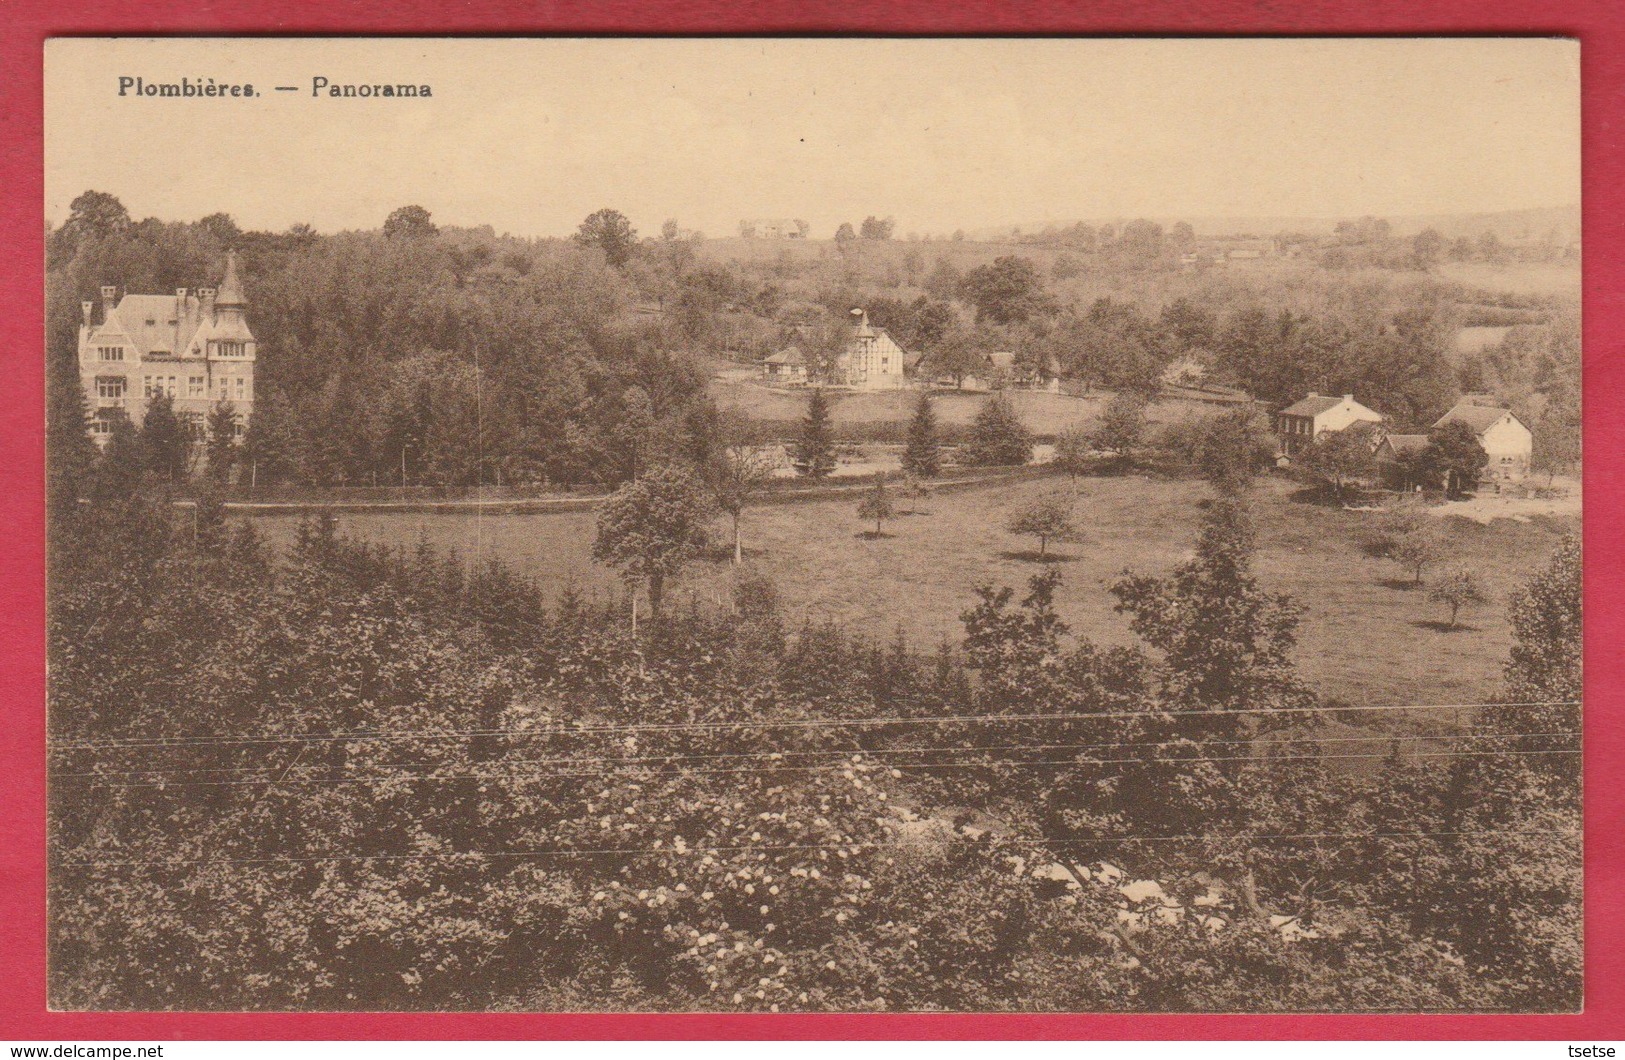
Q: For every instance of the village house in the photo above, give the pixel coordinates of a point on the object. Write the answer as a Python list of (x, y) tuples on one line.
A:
[(193, 346), (1300, 423), (1504, 437), (788, 366), (1391, 453), (872, 360)]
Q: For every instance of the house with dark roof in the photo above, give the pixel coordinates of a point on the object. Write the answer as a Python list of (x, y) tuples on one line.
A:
[(1392, 454), (1299, 423), (1504, 437), (789, 365), (193, 346)]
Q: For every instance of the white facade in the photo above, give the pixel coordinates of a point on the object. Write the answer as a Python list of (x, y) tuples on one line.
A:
[(1508, 443), (1299, 424), (872, 360)]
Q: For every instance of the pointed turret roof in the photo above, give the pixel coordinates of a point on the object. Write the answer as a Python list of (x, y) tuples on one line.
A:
[(231, 288)]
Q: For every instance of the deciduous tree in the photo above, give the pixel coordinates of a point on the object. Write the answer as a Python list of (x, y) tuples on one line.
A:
[(610, 232), (650, 528), (877, 504), (1457, 588), (1048, 517), (1455, 449)]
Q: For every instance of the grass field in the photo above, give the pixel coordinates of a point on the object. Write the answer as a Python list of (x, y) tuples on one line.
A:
[(1363, 638), (1043, 413)]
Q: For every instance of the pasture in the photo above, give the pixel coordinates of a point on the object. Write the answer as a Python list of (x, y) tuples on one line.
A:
[(1044, 414), (1364, 637)]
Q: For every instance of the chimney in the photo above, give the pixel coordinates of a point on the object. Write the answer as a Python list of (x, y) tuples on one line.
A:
[(180, 298), (109, 293), (206, 296), (85, 307)]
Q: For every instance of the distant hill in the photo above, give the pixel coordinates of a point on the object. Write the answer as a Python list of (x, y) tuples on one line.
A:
[(1508, 225)]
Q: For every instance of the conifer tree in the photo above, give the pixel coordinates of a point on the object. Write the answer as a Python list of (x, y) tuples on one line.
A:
[(815, 452), (164, 440), (222, 442), (922, 456), (998, 437)]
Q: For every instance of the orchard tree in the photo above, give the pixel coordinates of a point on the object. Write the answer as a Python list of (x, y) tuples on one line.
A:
[(1556, 449), (610, 232), (650, 528), (1454, 448), (737, 472), (877, 505), (815, 450), (1074, 451), (922, 455), (1457, 588), (1417, 548), (1047, 518), (998, 438)]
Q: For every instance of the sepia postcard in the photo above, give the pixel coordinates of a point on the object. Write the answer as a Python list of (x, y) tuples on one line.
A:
[(814, 525)]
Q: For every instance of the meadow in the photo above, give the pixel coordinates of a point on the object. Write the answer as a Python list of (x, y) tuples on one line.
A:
[(1365, 637), (1044, 413)]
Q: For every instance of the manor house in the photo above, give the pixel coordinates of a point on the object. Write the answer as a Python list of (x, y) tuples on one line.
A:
[(194, 346)]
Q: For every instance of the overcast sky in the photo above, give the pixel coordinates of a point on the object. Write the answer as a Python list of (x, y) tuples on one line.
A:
[(531, 136)]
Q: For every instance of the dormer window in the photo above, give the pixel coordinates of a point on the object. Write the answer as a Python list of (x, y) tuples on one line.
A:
[(110, 353)]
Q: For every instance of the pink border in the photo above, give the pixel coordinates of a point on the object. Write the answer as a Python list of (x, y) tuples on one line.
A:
[(1600, 26)]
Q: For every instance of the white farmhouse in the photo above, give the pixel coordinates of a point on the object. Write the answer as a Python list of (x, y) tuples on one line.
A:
[(1298, 424), (1503, 436)]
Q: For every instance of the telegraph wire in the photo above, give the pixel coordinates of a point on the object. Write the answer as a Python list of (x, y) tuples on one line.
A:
[(573, 760), (1173, 760), (798, 723), (849, 847)]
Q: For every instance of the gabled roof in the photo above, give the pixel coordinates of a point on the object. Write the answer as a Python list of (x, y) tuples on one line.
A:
[(1479, 417), (790, 355), (1002, 359), (1312, 406), (135, 310), (1406, 443)]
